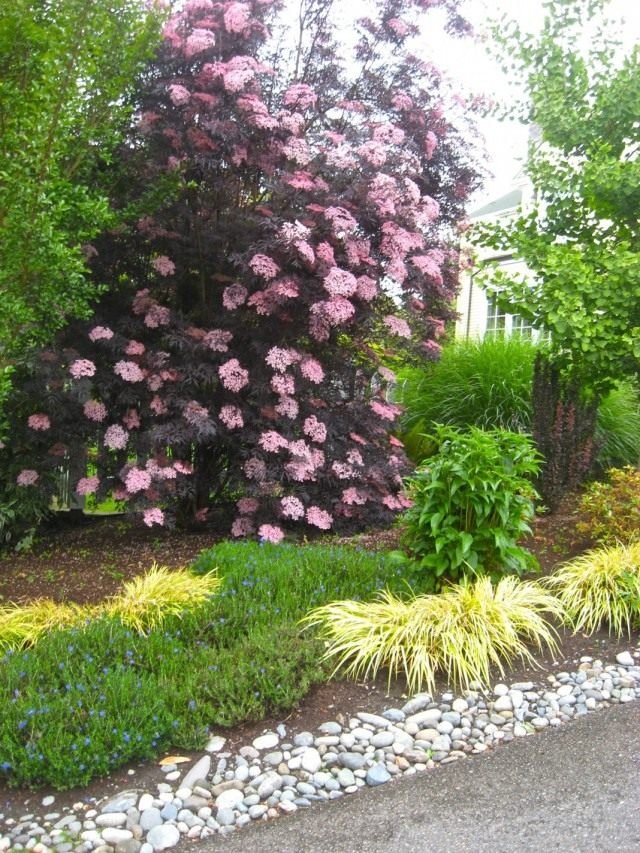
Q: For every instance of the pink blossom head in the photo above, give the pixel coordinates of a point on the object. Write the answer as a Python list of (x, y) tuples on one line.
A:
[(292, 508), (116, 437), (134, 348), (39, 422), (315, 429), (242, 526), (255, 469), (234, 296), (247, 506), (270, 533), (280, 359), (137, 481), (87, 485), (231, 417), (340, 282), (95, 410), (319, 518), (237, 17), (82, 367), (100, 333), (198, 41), (179, 95), (397, 326), (129, 371), (163, 266), (157, 315), (217, 340), (300, 96), (194, 413), (264, 266), (312, 370), (131, 419), (287, 407), (27, 477), (233, 376), (153, 516)]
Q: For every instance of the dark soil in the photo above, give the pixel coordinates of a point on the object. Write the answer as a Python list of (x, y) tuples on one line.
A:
[(88, 563)]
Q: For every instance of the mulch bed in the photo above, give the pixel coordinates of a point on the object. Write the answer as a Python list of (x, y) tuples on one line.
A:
[(88, 563)]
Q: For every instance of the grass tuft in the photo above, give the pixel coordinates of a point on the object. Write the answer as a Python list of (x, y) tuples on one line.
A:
[(460, 633), (22, 626), (601, 588), (148, 600)]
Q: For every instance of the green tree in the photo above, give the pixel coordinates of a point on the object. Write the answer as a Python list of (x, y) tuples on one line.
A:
[(581, 240), (67, 70)]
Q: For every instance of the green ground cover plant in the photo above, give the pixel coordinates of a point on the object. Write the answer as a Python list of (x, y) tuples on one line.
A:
[(460, 633), (472, 501), (85, 699)]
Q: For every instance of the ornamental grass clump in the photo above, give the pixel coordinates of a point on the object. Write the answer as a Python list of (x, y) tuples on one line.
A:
[(601, 588), (24, 625), (148, 600), (461, 633)]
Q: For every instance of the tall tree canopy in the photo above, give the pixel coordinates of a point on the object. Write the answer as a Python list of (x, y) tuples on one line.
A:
[(67, 68), (581, 239), (318, 189)]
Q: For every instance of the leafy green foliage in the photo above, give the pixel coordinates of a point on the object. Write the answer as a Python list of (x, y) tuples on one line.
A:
[(67, 70), (461, 633), (610, 511), (472, 500), (601, 588), (236, 657), (582, 240)]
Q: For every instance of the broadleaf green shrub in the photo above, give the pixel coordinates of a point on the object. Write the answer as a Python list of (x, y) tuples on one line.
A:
[(472, 501)]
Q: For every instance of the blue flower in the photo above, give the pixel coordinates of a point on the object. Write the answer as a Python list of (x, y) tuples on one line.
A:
[(22, 724)]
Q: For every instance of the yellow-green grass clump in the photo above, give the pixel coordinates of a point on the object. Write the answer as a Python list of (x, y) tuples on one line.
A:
[(601, 588), (23, 625), (147, 601), (460, 633), (144, 604)]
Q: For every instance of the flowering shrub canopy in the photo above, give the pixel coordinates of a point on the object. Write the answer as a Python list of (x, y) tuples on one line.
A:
[(313, 218)]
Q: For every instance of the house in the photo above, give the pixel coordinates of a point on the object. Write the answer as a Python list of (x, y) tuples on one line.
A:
[(479, 314)]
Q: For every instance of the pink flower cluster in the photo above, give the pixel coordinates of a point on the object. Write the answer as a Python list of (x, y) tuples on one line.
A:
[(247, 506), (131, 419), (95, 410), (283, 383), (279, 359), (157, 315), (292, 508), (397, 326), (39, 422), (315, 429), (100, 333), (264, 266), (163, 265), (242, 526), (27, 477), (217, 340), (272, 441), (82, 367), (341, 220), (153, 516), (287, 407), (137, 481), (340, 282), (312, 370), (231, 417), (129, 371), (237, 17), (319, 518), (234, 296), (115, 437), (179, 95), (134, 348), (353, 496), (198, 41), (87, 485), (385, 410), (233, 376), (299, 95), (270, 533)]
